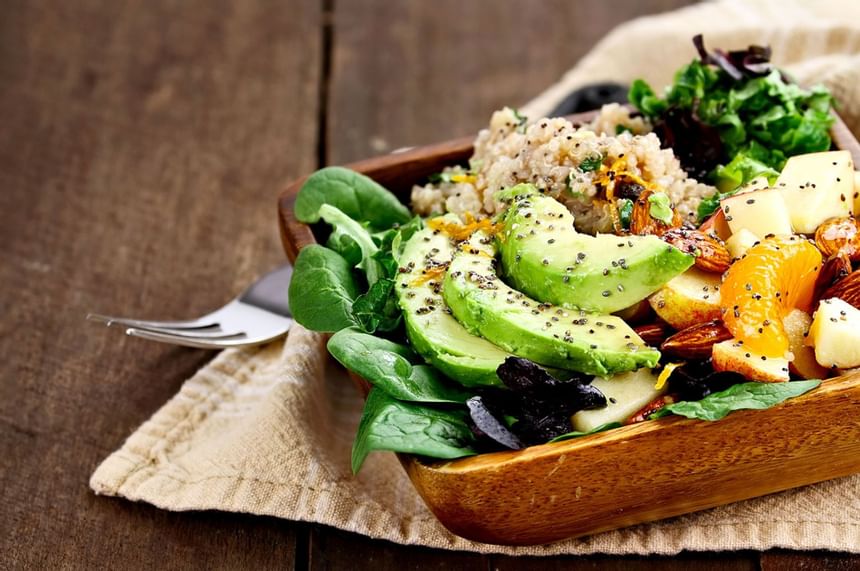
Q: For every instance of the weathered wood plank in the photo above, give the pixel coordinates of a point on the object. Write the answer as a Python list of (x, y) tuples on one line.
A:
[(142, 147), (412, 72), (331, 549)]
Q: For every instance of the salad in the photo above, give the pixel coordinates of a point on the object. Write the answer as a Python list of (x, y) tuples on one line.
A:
[(572, 279)]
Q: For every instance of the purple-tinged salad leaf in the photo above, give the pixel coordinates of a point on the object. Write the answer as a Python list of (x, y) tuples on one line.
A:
[(732, 116), (486, 425)]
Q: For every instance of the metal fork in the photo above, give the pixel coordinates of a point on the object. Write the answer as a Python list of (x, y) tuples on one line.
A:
[(258, 315)]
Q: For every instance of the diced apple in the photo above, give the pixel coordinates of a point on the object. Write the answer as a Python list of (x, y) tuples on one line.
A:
[(688, 299), (731, 355), (835, 334), (716, 225), (758, 183), (761, 212), (803, 364), (626, 394), (741, 241), (817, 186)]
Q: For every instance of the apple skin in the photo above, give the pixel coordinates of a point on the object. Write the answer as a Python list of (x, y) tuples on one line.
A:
[(688, 299), (731, 355)]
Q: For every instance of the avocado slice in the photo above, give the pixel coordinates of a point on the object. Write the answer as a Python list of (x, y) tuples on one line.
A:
[(546, 334), (432, 331), (543, 256)]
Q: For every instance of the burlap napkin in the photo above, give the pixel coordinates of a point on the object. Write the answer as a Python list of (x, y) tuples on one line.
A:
[(268, 430)]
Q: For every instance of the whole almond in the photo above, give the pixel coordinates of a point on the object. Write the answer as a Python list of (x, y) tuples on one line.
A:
[(847, 289), (653, 333), (697, 341), (641, 221), (839, 235), (711, 254), (834, 269)]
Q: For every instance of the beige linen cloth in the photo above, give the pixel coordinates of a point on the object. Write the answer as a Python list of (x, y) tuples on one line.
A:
[(268, 430)]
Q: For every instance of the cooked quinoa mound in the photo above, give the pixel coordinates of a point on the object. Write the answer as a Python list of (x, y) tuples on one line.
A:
[(564, 162)]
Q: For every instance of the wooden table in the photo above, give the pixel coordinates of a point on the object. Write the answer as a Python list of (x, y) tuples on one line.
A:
[(142, 145)]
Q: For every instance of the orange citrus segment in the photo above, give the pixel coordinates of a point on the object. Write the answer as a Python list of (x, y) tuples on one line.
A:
[(774, 277)]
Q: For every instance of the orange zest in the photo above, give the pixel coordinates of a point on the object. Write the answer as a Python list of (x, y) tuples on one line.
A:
[(608, 175), (759, 290), (429, 274), (460, 232)]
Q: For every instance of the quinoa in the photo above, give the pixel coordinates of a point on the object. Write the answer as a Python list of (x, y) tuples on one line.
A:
[(562, 161)]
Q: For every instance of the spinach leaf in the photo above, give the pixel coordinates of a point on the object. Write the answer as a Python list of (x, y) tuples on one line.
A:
[(388, 424), (377, 310), (595, 430), (356, 195), (737, 397), (322, 290), (348, 230), (392, 367)]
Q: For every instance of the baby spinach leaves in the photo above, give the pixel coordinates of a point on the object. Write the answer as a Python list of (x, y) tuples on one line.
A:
[(392, 367), (322, 290), (389, 424), (348, 231), (738, 397), (356, 195)]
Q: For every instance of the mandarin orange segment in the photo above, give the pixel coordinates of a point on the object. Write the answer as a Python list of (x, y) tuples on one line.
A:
[(774, 277)]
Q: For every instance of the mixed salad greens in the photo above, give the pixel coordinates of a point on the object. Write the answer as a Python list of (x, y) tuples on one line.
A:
[(507, 332), (732, 116)]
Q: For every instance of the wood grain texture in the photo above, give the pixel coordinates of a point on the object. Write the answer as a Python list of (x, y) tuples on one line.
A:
[(140, 149), (438, 69)]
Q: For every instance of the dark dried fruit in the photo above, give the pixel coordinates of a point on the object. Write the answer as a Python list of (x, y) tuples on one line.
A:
[(541, 403), (697, 379), (489, 426)]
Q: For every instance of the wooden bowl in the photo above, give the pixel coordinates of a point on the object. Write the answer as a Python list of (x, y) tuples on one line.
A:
[(629, 475)]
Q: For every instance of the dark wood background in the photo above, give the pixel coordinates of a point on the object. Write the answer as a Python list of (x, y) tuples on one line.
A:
[(142, 145)]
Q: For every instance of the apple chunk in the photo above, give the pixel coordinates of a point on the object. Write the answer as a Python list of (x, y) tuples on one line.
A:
[(835, 334), (731, 355), (688, 299), (626, 394), (803, 364), (817, 186), (741, 241), (760, 212)]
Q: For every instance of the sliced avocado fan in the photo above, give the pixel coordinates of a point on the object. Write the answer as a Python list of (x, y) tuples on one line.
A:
[(432, 331), (543, 256), (544, 333)]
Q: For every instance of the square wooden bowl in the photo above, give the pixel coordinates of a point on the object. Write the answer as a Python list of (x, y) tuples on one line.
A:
[(629, 475)]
